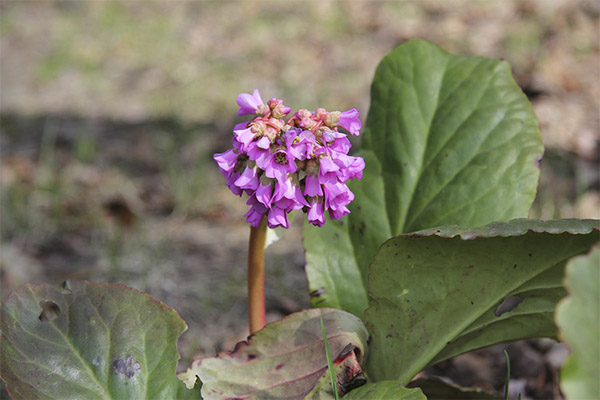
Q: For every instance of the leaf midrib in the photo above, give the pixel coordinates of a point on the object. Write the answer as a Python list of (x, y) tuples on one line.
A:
[(424, 166), (75, 351)]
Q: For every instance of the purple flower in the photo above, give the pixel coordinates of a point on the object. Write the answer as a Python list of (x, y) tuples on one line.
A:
[(244, 136), (233, 177), (337, 141), (280, 163), (350, 167), (350, 122), (249, 103), (277, 217), (290, 191), (312, 186), (301, 164), (256, 212), (339, 212), (264, 193), (315, 213), (248, 179), (337, 195), (328, 170), (226, 161), (259, 150)]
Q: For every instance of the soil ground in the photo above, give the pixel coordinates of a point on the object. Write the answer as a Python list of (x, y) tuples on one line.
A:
[(110, 113)]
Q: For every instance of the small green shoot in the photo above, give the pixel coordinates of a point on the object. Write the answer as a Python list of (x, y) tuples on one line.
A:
[(507, 375), (329, 362)]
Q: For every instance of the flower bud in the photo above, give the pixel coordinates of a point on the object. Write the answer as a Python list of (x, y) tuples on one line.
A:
[(258, 126), (321, 113), (332, 119)]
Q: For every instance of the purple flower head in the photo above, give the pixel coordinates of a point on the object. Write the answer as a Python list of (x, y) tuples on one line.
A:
[(249, 104), (301, 164), (350, 122)]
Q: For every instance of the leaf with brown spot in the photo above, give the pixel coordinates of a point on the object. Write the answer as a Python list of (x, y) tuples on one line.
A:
[(459, 291), (286, 359), (89, 340)]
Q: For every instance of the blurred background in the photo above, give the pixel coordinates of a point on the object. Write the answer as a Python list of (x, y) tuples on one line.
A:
[(111, 111)]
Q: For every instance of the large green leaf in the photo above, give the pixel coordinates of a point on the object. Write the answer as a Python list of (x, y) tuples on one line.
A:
[(441, 292), (385, 390), (89, 340), (286, 359), (449, 139), (578, 318)]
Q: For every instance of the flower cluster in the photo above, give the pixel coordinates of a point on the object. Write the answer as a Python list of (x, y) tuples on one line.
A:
[(299, 164)]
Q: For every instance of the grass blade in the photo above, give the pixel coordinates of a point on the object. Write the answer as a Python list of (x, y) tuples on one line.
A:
[(507, 375), (329, 362)]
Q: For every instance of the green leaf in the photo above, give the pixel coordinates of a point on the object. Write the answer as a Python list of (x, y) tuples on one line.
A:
[(578, 318), (442, 292), (385, 390), (449, 139), (286, 359), (338, 254), (435, 389), (89, 340)]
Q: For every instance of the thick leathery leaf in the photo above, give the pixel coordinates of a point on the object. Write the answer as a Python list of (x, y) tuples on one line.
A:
[(385, 390), (286, 359), (449, 139), (578, 319), (89, 340), (457, 139), (435, 294)]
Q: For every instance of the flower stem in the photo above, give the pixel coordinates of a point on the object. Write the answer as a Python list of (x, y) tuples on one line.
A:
[(256, 276)]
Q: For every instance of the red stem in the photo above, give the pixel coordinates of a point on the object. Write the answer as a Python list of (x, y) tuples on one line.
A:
[(256, 276)]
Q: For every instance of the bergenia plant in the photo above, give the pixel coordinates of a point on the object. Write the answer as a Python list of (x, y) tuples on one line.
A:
[(428, 256), (301, 163)]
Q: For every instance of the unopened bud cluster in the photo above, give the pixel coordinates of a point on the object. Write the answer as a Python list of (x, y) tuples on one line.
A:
[(298, 164)]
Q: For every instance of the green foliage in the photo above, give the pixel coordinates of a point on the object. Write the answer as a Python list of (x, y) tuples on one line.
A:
[(449, 139), (434, 295), (435, 389), (89, 340), (385, 390), (578, 318), (450, 142), (286, 359)]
